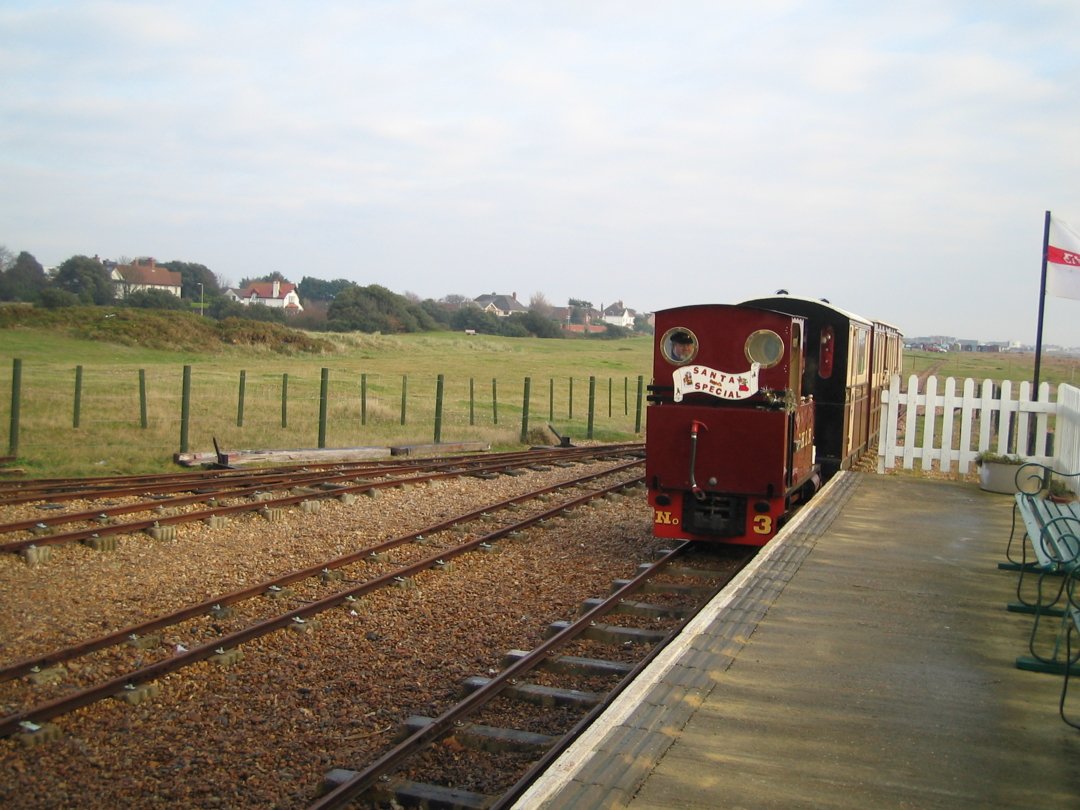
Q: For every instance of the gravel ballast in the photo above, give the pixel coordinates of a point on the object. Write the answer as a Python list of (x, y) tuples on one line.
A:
[(263, 732)]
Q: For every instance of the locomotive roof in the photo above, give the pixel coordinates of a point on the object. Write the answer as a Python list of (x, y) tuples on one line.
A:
[(777, 302)]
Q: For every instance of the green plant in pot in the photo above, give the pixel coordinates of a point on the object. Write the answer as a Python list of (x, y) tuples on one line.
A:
[(1059, 491), (997, 471)]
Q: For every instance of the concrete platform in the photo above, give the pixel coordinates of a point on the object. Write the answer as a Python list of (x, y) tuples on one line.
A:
[(865, 661)]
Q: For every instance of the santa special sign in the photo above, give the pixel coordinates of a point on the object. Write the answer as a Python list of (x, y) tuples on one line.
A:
[(721, 384)]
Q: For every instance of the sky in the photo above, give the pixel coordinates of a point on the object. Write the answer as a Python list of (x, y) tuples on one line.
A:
[(895, 158)]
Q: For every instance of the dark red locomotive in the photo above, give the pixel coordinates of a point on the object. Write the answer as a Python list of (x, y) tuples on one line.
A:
[(752, 407)]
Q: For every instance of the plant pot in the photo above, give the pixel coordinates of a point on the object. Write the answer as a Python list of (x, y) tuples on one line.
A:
[(997, 477)]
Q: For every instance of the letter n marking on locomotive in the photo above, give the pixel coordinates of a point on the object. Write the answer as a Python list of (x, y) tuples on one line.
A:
[(665, 517)]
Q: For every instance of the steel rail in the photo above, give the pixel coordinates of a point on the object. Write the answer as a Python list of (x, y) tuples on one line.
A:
[(361, 781), (115, 686), (142, 485), (246, 487), (28, 665), (132, 527), (508, 798)]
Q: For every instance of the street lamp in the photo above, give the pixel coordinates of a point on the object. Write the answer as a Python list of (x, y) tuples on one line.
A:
[(200, 299)]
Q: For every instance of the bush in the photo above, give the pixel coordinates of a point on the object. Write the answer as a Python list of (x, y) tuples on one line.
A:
[(154, 299)]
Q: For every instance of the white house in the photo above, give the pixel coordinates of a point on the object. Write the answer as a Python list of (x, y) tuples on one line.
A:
[(143, 275), (276, 294), (618, 315)]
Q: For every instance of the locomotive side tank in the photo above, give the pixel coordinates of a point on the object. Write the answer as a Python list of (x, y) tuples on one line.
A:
[(837, 375), (729, 431)]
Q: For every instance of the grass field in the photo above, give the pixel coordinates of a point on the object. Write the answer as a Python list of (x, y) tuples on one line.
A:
[(483, 380)]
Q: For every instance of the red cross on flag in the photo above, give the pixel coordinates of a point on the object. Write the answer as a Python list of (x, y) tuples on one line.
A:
[(1062, 260)]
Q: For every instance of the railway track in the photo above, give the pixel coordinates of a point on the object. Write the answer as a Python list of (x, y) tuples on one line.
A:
[(204, 496), (483, 751), (328, 575), (372, 635)]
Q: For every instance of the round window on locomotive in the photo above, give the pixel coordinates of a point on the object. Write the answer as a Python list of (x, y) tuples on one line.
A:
[(765, 347), (679, 345)]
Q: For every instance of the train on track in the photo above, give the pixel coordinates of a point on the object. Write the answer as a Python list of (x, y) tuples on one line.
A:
[(753, 406)]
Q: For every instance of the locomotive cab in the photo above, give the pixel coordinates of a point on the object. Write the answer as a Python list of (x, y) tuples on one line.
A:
[(730, 443)]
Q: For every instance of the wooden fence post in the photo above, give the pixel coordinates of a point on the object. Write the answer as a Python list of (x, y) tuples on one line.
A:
[(285, 400), (185, 410), (404, 389), (640, 389), (324, 404), (592, 407), (16, 397), (438, 408), (551, 399), (472, 402), (78, 397), (240, 400), (363, 399), (494, 401), (525, 412), (144, 423)]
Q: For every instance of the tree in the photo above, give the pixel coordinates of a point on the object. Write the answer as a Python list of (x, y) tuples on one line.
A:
[(153, 299), (192, 275), (475, 318), (54, 298), (315, 289), (223, 308), (23, 279), (377, 309), (275, 276), (538, 324), (612, 332), (538, 303), (436, 311), (85, 278)]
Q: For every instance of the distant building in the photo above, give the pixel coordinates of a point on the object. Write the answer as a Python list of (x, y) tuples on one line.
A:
[(618, 315), (143, 275), (274, 294), (502, 306)]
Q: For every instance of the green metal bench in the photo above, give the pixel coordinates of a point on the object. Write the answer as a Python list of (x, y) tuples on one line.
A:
[(1052, 531), (1051, 540), (1072, 626)]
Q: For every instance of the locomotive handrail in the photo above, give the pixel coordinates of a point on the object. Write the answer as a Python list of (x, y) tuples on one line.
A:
[(695, 425)]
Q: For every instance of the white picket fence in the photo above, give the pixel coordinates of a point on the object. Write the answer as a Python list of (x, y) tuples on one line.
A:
[(945, 431)]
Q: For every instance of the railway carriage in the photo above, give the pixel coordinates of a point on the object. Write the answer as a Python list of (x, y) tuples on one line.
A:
[(752, 406)]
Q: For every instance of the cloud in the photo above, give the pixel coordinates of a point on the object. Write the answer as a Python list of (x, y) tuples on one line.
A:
[(897, 160)]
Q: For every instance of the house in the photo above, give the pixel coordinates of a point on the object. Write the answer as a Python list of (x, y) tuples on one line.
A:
[(502, 306), (143, 275), (275, 294), (618, 315)]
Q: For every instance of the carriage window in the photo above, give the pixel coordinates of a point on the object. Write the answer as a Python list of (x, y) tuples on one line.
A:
[(861, 352), (766, 347), (826, 351), (679, 345)]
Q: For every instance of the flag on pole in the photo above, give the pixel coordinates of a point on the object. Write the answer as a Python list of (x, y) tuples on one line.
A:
[(1062, 260)]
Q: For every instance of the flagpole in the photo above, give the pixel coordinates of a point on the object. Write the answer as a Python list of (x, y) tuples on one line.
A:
[(1042, 305)]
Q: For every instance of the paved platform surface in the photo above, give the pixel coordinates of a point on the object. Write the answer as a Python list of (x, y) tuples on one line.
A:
[(866, 661)]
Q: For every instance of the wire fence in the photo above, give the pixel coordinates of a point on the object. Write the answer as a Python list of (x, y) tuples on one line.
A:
[(137, 417)]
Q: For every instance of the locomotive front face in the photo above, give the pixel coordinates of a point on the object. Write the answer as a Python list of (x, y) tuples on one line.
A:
[(728, 436)]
